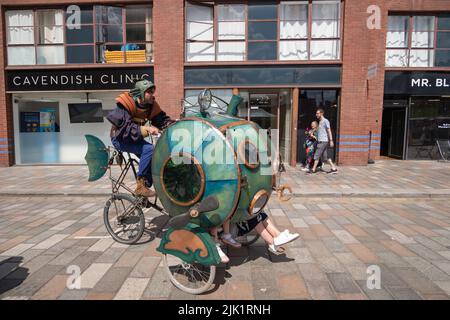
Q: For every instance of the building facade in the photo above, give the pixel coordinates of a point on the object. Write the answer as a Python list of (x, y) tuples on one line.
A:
[(380, 70)]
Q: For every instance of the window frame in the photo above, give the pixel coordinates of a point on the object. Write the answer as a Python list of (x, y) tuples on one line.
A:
[(434, 48), (94, 44), (246, 3)]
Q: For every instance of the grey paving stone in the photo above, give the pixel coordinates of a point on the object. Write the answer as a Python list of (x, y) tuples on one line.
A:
[(159, 285), (417, 281), (334, 245), (429, 270), (343, 283), (320, 290), (424, 252), (374, 294), (112, 280), (404, 294), (73, 295), (264, 283)]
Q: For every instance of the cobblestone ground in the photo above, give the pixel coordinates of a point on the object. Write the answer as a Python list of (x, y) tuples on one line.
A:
[(384, 178), (42, 238)]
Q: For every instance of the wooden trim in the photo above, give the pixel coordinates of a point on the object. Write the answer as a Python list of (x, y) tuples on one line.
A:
[(295, 101), (241, 154), (225, 127), (256, 197)]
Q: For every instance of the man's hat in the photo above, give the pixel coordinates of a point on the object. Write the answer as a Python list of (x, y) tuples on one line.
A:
[(140, 87)]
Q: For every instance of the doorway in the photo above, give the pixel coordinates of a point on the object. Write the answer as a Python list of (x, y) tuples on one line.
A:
[(271, 109), (393, 132), (309, 101)]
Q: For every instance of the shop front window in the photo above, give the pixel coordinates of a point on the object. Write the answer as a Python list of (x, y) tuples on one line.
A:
[(98, 34), (51, 127), (410, 41), (429, 121)]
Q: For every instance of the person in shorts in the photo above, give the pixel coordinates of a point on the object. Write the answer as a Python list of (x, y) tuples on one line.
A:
[(325, 139), (267, 230)]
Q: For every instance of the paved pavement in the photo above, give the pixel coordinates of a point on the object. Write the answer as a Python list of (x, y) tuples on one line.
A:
[(44, 239), (393, 215), (385, 178)]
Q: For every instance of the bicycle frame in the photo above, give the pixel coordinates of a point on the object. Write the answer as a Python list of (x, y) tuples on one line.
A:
[(116, 184)]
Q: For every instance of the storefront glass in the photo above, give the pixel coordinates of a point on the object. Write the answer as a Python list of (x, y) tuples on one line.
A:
[(429, 121), (52, 126)]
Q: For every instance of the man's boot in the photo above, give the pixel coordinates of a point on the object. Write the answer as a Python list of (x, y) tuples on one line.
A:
[(142, 190)]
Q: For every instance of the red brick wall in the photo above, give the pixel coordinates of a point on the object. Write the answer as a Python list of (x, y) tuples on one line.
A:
[(362, 100), (6, 123), (168, 33)]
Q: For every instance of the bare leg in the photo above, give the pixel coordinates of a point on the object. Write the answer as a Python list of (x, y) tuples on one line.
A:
[(330, 162), (316, 162), (270, 227), (264, 233), (214, 234), (226, 226)]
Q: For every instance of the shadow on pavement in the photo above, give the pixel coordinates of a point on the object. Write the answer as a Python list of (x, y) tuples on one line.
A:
[(11, 275), (153, 229), (242, 256)]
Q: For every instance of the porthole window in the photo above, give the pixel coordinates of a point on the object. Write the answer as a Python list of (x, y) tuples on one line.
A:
[(248, 154), (183, 179)]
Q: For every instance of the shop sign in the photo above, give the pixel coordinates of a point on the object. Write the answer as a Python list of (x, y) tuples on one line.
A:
[(417, 83), (75, 79)]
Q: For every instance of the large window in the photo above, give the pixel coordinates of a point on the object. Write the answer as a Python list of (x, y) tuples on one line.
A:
[(286, 30), (418, 41), (429, 120), (79, 35)]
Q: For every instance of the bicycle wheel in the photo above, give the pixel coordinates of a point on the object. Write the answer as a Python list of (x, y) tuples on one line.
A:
[(124, 218), (191, 278)]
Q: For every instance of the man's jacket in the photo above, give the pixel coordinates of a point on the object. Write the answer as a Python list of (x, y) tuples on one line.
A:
[(127, 118)]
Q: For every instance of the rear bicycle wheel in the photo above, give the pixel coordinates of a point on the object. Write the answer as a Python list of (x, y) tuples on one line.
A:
[(124, 218), (191, 278)]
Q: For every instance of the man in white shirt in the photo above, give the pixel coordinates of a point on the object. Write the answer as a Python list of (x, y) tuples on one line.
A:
[(325, 139)]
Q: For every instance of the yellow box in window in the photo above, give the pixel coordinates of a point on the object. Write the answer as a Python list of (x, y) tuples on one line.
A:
[(132, 56), (135, 56), (114, 56)]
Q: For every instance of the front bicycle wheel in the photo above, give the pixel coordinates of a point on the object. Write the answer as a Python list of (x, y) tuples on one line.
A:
[(124, 218), (191, 278)]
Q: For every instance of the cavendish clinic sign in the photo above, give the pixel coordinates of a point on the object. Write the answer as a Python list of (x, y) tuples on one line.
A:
[(75, 79), (417, 83)]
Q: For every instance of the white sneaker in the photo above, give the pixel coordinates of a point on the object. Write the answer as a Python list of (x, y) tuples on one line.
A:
[(305, 169), (223, 257), (228, 239), (284, 238)]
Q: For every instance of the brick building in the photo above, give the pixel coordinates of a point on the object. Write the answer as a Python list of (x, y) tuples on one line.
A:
[(380, 69)]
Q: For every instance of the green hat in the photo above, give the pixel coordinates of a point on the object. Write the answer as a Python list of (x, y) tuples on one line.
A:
[(140, 87)]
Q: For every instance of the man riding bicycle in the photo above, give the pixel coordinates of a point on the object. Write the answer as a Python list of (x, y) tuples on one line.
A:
[(129, 129)]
